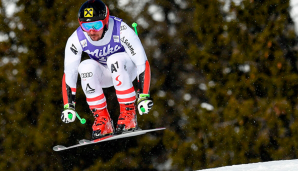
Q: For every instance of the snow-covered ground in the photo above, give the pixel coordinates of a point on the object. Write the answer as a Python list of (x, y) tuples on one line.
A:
[(281, 165)]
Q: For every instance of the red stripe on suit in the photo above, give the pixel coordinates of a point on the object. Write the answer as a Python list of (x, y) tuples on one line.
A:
[(124, 100), (99, 106), (147, 79), (64, 91), (100, 97), (122, 92)]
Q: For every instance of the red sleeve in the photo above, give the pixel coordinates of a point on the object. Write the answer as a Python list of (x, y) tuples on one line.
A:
[(144, 79), (68, 93)]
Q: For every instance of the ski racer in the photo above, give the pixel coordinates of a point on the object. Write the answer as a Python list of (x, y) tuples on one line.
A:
[(117, 57)]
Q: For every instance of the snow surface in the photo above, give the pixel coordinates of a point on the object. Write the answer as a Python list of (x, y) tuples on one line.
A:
[(281, 165)]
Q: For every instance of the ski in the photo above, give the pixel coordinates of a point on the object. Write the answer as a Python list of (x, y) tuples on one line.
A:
[(84, 142)]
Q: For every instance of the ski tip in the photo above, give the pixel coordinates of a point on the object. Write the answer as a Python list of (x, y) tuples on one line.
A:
[(84, 141), (59, 148), (158, 129)]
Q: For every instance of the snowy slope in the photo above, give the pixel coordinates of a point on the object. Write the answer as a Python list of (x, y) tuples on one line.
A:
[(282, 165)]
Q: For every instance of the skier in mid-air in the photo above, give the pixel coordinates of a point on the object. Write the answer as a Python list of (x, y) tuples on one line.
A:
[(117, 58)]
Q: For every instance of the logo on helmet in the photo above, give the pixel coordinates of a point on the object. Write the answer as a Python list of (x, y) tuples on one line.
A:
[(88, 12)]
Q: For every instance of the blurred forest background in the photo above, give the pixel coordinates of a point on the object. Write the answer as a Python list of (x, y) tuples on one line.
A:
[(224, 84)]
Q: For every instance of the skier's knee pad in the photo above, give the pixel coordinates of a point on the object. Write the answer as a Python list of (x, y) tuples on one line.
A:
[(117, 62), (87, 66)]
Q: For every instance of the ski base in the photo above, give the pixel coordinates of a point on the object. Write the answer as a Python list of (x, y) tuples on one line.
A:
[(84, 142)]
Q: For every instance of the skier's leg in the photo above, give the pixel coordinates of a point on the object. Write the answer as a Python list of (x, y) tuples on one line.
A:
[(93, 75), (123, 72)]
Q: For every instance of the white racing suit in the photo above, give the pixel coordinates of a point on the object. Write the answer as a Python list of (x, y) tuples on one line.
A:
[(116, 60)]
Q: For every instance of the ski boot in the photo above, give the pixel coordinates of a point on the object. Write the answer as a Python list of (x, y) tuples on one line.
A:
[(127, 120), (103, 124)]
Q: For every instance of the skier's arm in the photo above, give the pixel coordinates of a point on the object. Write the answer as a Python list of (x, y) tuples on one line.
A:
[(73, 53), (135, 50)]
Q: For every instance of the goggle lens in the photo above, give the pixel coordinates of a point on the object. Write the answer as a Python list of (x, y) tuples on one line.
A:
[(96, 25)]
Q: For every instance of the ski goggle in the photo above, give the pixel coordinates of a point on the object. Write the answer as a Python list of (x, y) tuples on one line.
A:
[(95, 25)]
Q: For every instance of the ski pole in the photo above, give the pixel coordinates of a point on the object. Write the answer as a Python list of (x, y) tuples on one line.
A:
[(83, 121), (134, 25)]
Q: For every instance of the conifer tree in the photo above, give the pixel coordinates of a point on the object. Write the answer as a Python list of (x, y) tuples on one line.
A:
[(32, 102), (241, 61), (250, 60)]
